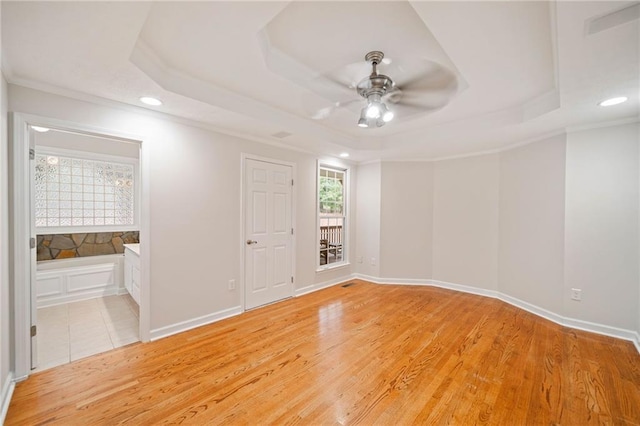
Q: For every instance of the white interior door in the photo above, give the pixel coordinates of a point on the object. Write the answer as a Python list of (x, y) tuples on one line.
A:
[(268, 232)]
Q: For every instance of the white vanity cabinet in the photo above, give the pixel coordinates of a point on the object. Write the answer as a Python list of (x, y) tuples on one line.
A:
[(132, 270)]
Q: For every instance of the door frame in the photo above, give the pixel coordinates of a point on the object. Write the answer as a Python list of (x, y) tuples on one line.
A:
[(243, 158), (20, 232)]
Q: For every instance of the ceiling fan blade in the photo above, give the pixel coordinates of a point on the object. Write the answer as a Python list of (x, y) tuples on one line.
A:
[(425, 98), (393, 95), (442, 81), (324, 112), (340, 83), (404, 111), (424, 105), (350, 75)]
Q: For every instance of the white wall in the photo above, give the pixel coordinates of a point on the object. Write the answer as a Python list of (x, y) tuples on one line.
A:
[(78, 142), (531, 223), (368, 222), (5, 306), (601, 252), (406, 220), (195, 229), (6, 333), (531, 246), (465, 221)]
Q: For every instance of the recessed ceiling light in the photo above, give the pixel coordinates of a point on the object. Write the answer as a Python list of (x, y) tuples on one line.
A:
[(386, 61), (344, 154), (613, 101), (150, 101), (40, 129)]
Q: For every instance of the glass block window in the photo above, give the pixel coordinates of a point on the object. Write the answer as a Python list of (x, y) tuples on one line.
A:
[(76, 192)]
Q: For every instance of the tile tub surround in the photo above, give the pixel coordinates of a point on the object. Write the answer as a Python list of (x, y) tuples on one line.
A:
[(76, 330), (64, 246)]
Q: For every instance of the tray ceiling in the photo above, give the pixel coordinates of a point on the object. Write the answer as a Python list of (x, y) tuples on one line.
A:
[(523, 69)]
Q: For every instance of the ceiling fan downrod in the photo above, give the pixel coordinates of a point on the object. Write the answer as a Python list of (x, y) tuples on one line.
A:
[(375, 57)]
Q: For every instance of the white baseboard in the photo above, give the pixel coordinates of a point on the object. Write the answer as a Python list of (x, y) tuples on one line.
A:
[(620, 333), (536, 310), (319, 286), (7, 392), (227, 313), (430, 283), (372, 279), (172, 329), (606, 330), (464, 288)]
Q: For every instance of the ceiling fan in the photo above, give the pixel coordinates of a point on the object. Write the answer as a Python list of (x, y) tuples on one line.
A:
[(373, 88), (422, 86)]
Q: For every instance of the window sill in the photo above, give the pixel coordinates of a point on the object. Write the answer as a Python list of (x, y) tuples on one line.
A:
[(332, 267), (45, 230)]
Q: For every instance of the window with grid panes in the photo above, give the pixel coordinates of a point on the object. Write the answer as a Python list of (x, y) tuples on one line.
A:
[(332, 216), (80, 192)]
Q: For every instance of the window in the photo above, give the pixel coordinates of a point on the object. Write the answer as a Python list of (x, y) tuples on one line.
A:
[(74, 192), (332, 216)]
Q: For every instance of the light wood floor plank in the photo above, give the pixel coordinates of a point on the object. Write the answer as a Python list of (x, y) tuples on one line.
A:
[(366, 354)]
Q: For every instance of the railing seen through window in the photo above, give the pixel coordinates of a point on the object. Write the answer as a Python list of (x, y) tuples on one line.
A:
[(331, 215)]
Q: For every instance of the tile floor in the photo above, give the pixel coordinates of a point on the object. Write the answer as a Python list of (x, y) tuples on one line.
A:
[(76, 330)]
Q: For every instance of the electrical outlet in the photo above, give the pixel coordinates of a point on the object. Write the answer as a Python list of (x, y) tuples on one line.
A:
[(232, 284), (373, 261), (576, 294), (359, 259)]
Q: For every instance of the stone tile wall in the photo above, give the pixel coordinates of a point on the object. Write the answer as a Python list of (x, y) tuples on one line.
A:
[(64, 246)]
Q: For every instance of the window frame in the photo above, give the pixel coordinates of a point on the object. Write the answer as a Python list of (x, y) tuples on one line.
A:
[(345, 215), (92, 156)]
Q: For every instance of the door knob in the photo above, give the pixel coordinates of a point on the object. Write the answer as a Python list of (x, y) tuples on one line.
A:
[(249, 242)]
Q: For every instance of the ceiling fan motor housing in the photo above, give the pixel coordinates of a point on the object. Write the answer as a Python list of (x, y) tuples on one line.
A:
[(375, 84)]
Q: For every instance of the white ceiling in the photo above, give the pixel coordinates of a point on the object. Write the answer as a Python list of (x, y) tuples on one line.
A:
[(523, 69)]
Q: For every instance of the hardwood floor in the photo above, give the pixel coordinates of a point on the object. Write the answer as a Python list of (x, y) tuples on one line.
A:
[(365, 354)]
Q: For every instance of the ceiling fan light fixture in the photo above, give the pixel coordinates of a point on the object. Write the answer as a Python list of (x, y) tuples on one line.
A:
[(373, 110), (387, 114), (374, 106), (364, 121)]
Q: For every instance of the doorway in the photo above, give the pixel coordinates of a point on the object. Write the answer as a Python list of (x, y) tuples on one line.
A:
[(85, 202), (268, 231), (62, 288)]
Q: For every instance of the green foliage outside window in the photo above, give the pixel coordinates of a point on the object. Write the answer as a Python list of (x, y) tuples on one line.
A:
[(331, 195)]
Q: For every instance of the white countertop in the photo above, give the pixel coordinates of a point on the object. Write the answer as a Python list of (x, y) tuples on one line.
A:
[(133, 247)]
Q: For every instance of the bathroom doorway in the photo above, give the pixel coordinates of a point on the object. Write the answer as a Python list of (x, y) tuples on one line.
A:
[(85, 204), (80, 193)]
